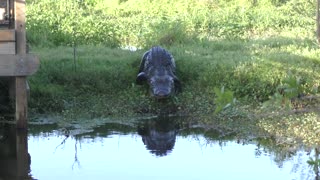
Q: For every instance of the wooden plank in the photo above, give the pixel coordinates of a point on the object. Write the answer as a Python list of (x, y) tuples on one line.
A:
[(18, 65), (7, 48), (7, 35)]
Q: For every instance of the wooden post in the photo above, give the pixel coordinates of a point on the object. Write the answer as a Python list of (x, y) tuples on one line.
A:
[(21, 81), (15, 62)]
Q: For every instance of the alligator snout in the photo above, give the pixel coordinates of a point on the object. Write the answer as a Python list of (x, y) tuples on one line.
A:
[(161, 93)]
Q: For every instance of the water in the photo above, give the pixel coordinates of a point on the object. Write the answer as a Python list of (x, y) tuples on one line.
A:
[(149, 149)]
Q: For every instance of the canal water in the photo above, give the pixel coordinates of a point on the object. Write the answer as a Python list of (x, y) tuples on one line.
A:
[(159, 148)]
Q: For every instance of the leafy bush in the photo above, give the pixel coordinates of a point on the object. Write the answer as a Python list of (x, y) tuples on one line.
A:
[(288, 93), (67, 23), (138, 23)]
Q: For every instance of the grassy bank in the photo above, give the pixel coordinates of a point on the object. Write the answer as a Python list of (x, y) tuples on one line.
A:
[(102, 80), (255, 50)]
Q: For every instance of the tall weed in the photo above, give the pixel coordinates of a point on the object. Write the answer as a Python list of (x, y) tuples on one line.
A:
[(143, 23)]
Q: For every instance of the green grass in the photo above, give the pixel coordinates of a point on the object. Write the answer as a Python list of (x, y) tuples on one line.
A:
[(101, 82), (144, 23)]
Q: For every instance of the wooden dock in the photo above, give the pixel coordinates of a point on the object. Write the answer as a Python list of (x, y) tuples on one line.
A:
[(14, 60)]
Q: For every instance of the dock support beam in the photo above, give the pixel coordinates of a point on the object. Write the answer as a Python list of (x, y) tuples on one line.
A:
[(16, 63), (21, 81), (21, 102)]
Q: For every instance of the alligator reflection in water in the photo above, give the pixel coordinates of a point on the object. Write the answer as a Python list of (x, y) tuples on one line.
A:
[(14, 157), (159, 135)]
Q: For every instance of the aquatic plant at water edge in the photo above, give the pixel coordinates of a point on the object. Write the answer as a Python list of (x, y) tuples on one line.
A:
[(224, 99)]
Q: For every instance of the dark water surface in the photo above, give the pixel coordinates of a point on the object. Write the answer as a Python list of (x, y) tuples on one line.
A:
[(154, 149)]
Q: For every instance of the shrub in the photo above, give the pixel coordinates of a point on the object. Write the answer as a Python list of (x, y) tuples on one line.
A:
[(138, 23)]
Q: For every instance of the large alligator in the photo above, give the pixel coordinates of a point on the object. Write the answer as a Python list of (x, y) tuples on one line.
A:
[(158, 68)]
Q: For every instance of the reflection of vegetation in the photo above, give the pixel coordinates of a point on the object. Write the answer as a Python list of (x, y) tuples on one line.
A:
[(218, 131), (280, 152), (294, 129), (315, 163)]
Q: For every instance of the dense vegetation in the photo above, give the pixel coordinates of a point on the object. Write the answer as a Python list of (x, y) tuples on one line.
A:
[(143, 23), (258, 52)]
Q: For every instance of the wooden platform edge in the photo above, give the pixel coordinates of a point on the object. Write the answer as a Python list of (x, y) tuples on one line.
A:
[(18, 65), (7, 48), (7, 35)]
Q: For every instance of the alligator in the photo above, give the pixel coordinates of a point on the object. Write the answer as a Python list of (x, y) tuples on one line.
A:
[(158, 69)]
